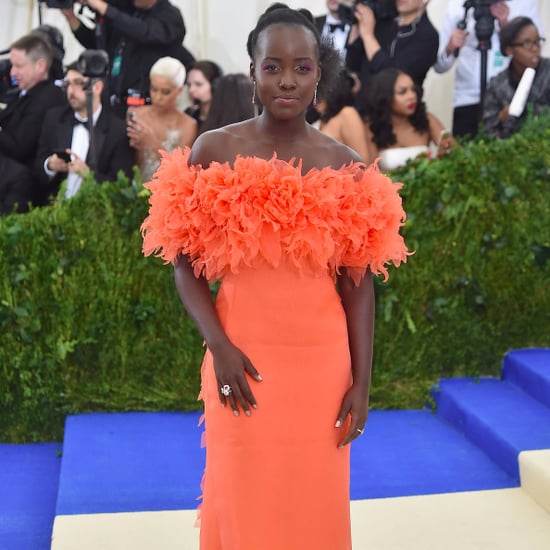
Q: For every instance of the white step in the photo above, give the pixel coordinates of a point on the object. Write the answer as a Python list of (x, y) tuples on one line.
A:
[(534, 468)]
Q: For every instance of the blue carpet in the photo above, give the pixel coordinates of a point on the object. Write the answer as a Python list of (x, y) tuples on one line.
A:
[(29, 475), (406, 453), (130, 462), (153, 461), (497, 416), (529, 369)]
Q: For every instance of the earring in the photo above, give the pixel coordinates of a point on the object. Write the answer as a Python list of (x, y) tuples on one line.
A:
[(315, 95), (254, 93)]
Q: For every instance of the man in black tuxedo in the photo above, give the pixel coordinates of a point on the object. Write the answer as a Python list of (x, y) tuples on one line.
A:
[(135, 33), (331, 26), (20, 122), (64, 150)]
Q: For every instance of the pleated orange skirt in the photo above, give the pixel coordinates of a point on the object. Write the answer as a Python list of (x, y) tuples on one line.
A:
[(276, 480)]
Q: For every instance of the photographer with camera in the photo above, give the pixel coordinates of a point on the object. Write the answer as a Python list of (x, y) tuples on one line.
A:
[(459, 39), (135, 33), (407, 41), (31, 58), (65, 149)]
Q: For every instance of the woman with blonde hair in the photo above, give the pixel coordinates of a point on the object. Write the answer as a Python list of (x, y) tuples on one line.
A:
[(160, 125)]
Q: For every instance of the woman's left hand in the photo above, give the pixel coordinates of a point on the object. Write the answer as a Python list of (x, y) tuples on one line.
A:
[(356, 404)]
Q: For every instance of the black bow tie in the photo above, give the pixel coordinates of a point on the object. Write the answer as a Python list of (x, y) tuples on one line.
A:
[(333, 26), (75, 122)]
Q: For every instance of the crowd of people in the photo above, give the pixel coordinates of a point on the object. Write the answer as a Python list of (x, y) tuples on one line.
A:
[(376, 107)]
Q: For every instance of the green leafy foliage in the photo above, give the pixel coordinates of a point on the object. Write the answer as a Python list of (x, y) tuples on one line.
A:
[(478, 283), (88, 324)]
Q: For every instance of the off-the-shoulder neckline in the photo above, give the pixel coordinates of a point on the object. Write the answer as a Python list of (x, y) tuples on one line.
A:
[(294, 163)]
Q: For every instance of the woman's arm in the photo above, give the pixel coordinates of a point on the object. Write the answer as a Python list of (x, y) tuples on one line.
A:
[(358, 302), (230, 364), (372, 149), (440, 135), (353, 132), (188, 131)]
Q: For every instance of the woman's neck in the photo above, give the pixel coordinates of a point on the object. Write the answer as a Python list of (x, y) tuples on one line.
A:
[(284, 131)]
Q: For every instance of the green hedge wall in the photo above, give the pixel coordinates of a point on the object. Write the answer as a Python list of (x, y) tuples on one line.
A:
[(88, 324)]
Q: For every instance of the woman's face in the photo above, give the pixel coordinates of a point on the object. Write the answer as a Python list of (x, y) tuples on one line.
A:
[(525, 50), (405, 97), (198, 87), (163, 92), (286, 69)]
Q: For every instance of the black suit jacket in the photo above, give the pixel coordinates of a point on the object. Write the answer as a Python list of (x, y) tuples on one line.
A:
[(113, 151), (412, 48), (22, 119), (147, 35), (320, 22)]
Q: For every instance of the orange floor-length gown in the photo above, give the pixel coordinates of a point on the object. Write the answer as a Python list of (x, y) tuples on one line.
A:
[(276, 238)]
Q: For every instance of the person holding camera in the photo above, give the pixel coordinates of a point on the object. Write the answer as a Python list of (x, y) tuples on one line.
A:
[(64, 150), (135, 33), (31, 57), (459, 43), (379, 40)]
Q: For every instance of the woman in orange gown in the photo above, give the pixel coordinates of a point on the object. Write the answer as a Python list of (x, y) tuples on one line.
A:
[(293, 224)]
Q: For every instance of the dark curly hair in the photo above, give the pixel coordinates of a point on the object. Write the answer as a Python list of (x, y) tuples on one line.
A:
[(376, 107), (329, 57)]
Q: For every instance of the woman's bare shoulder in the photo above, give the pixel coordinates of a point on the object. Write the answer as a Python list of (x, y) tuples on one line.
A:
[(221, 145), (331, 152)]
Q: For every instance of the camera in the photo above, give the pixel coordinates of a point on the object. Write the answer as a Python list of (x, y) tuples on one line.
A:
[(383, 9), (484, 19), (93, 63), (8, 86), (135, 98)]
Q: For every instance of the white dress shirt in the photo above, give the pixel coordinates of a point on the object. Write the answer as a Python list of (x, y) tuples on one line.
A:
[(339, 36), (80, 144), (468, 62)]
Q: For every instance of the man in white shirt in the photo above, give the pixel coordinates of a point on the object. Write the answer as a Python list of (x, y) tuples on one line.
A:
[(64, 146), (460, 46)]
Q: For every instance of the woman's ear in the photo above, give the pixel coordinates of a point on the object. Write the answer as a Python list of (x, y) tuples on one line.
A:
[(252, 72)]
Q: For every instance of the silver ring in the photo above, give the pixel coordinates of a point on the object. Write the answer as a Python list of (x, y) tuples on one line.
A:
[(226, 389), (360, 430)]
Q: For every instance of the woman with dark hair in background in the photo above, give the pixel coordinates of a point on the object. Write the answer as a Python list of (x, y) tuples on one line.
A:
[(520, 40), (397, 126), (232, 101), (336, 116), (280, 212), (201, 81)]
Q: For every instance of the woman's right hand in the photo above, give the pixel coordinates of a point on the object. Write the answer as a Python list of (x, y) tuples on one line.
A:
[(231, 367)]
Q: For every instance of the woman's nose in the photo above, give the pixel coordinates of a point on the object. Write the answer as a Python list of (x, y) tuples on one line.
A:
[(287, 80)]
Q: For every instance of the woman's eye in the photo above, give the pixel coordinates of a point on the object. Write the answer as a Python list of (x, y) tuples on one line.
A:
[(270, 68), (303, 68)]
